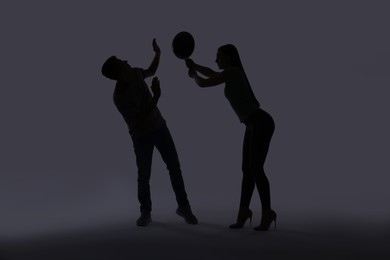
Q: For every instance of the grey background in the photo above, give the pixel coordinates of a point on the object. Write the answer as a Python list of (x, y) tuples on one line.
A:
[(321, 68)]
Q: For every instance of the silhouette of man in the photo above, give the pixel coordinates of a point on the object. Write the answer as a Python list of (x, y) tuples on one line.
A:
[(147, 129)]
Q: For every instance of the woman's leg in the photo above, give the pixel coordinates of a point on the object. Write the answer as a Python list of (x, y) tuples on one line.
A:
[(247, 185), (263, 130), (248, 182)]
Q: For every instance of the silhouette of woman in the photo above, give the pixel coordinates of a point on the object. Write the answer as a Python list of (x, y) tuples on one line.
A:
[(259, 129)]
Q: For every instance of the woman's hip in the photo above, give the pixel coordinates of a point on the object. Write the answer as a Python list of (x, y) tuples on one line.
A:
[(260, 118)]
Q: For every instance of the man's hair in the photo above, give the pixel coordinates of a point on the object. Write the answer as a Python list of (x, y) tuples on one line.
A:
[(110, 68)]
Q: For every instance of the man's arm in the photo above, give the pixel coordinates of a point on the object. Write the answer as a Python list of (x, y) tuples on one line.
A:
[(155, 62), (153, 104)]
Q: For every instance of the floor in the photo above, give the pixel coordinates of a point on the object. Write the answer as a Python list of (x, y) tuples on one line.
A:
[(168, 237)]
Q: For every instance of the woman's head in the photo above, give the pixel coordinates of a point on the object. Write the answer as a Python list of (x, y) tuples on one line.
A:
[(227, 56)]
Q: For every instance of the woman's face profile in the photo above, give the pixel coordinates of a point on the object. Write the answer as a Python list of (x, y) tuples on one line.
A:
[(222, 60)]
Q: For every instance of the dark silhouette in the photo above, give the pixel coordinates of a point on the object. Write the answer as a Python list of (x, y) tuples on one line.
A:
[(148, 129), (259, 129)]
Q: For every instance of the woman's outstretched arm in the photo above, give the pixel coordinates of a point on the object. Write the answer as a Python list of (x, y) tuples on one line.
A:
[(216, 79), (206, 71)]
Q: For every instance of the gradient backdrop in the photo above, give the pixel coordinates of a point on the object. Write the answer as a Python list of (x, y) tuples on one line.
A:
[(321, 68)]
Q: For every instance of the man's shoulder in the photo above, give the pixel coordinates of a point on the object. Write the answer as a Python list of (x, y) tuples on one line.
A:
[(138, 70)]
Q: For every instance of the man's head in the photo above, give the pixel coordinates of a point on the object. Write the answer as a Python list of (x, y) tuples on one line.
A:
[(113, 68)]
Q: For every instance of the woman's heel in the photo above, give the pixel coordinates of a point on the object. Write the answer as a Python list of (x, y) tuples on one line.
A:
[(243, 216), (266, 220), (275, 223)]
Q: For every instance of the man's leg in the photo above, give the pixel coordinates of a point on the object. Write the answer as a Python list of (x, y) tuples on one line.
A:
[(143, 148), (167, 149)]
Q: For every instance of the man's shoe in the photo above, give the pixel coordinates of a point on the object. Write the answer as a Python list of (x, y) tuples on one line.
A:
[(187, 214), (144, 219)]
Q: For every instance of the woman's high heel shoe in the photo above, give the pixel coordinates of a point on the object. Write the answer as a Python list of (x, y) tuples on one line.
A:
[(266, 220), (243, 215)]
